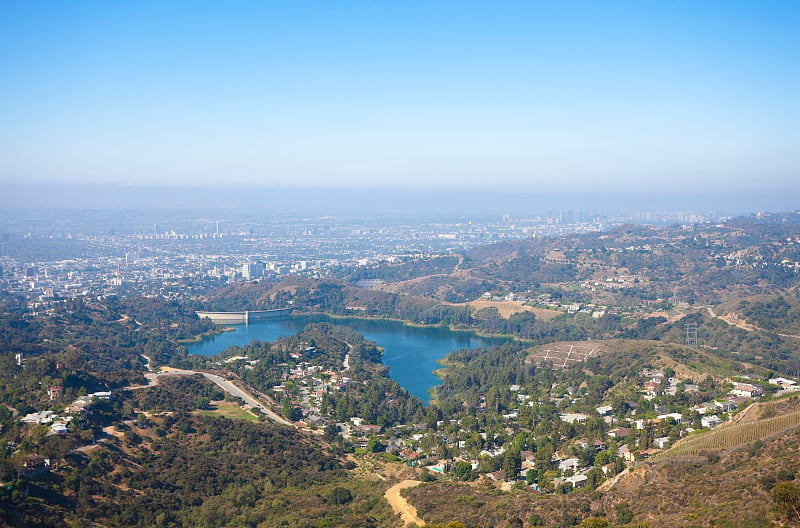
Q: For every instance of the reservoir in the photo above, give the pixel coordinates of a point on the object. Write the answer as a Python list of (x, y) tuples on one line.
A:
[(410, 352)]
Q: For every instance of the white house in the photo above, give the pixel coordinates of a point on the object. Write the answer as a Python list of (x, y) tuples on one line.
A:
[(746, 390), (661, 442), (604, 410), (41, 417), (678, 417), (59, 427), (574, 417), (577, 481), (569, 463)]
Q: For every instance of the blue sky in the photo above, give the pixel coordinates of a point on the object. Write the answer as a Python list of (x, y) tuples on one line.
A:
[(418, 95)]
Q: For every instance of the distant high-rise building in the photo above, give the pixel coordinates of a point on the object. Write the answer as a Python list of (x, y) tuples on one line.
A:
[(253, 270)]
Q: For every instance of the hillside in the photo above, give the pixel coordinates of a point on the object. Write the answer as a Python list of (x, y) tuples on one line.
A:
[(702, 264), (172, 468), (626, 394), (778, 314), (706, 488)]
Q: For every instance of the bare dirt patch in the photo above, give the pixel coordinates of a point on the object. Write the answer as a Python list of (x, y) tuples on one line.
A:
[(509, 308), (400, 505)]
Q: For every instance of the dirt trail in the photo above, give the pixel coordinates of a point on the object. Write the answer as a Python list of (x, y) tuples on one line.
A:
[(734, 320), (400, 505)]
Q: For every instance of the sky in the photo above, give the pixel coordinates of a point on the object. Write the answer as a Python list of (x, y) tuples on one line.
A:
[(435, 95)]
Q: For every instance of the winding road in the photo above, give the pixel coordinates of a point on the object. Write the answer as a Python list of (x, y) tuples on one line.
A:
[(229, 387)]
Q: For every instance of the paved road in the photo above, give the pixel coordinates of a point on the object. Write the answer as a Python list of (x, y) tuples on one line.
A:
[(230, 388)]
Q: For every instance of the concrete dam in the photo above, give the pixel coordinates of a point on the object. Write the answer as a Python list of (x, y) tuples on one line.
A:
[(245, 317)]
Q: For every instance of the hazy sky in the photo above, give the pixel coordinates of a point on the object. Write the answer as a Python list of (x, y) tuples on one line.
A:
[(424, 95)]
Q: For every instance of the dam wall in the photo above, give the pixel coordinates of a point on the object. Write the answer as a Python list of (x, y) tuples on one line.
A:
[(245, 317)]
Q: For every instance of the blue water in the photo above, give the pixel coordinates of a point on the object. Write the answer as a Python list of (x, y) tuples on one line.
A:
[(410, 352)]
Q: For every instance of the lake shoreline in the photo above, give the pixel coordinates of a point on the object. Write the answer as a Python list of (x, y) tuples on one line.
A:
[(413, 353), (404, 322)]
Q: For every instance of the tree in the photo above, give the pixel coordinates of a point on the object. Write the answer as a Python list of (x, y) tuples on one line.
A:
[(595, 476), (202, 402), (787, 496), (289, 411), (512, 462), (374, 445), (463, 471), (341, 496), (623, 512), (329, 432)]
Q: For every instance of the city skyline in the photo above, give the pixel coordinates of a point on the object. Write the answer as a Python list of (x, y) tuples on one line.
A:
[(467, 97)]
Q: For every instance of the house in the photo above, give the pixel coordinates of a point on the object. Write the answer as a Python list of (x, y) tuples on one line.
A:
[(747, 391), (81, 405), (661, 442), (652, 388), (365, 430), (41, 417), (316, 421), (409, 453), (738, 400), (54, 392), (35, 466), (706, 408), (604, 410), (577, 481), (678, 417), (570, 463), (527, 458), (619, 432), (710, 421), (725, 406), (59, 427), (626, 454), (573, 418), (497, 475), (783, 382)]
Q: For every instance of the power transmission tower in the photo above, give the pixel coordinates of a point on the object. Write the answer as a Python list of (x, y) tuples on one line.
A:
[(691, 334)]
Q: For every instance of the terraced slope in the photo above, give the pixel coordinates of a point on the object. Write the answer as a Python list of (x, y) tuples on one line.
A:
[(734, 435)]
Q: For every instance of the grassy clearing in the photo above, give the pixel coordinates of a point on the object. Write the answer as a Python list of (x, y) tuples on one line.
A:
[(229, 410), (509, 308)]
